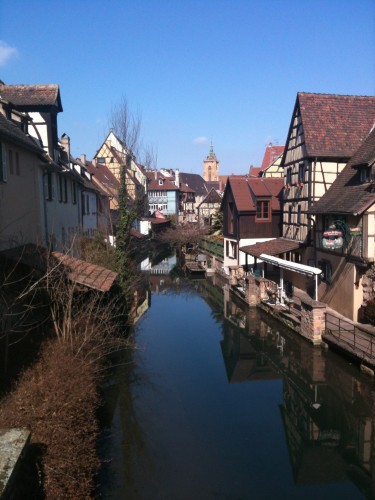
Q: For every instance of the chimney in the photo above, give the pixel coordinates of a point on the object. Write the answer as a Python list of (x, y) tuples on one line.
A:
[(93, 161), (83, 158), (156, 174), (65, 143), (177, 178)]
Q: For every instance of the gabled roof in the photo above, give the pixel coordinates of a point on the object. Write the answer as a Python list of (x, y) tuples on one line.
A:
[(12, 133), (195, 182), (247, 190), (30, 96), (212, 197), (348, 195), (334, 125), (272, 152)]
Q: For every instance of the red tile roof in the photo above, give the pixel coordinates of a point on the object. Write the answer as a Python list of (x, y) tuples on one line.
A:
[(154, 185), (246, 190), (32, 95), (272, 152), (335, 125)]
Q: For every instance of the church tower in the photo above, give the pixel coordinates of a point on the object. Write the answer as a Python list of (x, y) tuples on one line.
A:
[(211, 167)]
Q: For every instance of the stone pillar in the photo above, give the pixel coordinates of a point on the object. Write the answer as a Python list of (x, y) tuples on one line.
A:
[(252, 292), (312, 320)]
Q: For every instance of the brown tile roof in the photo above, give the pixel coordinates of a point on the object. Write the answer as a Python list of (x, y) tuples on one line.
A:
[(184, 188), (245, 191), (271, 247), (103, 178), (335, 125), (348, 195), (84, 273), (272, 152), (32, 95)]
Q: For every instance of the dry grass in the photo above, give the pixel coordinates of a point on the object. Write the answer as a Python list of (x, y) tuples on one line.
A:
[(56, 400)]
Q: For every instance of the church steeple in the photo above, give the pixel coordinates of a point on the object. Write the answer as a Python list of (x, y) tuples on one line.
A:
[(211, 166)]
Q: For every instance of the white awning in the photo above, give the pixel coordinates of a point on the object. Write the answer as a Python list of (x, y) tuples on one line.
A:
[(291, 266)]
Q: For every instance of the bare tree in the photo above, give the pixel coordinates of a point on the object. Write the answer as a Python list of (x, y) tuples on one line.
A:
[(183, 234), (126, 125), (149, 157)]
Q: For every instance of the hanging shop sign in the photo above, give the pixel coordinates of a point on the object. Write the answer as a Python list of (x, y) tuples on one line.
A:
[(332, 239)]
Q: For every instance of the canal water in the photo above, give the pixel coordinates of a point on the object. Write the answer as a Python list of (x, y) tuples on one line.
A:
[(219, 401)]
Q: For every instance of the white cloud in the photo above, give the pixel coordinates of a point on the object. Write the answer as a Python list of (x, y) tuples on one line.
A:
[(200, 140), (6, 52)]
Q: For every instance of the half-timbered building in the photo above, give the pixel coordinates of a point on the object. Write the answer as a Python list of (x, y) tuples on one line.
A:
[(324, 132), (345, 235), (115, 156), (208, 207)]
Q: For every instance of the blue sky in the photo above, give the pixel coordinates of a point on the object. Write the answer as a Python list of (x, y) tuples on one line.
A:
[(220, 70)]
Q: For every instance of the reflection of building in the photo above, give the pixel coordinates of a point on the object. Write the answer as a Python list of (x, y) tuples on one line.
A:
[(165, 266), (328, 410)]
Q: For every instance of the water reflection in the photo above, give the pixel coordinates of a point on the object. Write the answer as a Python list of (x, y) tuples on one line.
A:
[(221, 401), (327, 408)]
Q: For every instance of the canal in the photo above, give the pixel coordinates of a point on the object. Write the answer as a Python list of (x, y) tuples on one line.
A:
[(219, 401)]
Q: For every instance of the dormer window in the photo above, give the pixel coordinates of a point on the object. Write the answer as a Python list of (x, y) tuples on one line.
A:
[(365, 174), (161, 182)]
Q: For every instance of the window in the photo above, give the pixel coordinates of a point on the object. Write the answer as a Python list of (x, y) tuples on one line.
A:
[(17, 163), (65, 190), (263, 210), (74, 193), (301, 173), (290, 214), (326, 268), (10, 160), (231, 249), (60, 181), (3, 164), (48, 186), (100, 160), (230, 217), (365, 174), (289, 175)]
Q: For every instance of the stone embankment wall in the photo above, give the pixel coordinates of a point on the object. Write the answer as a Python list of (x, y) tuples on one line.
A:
[(14, 444), (308, 321)]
